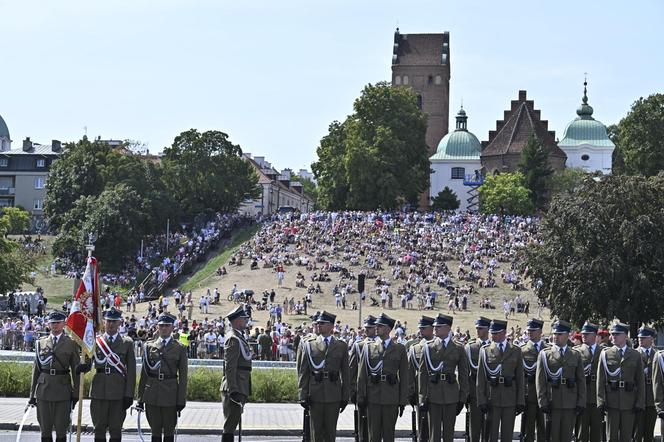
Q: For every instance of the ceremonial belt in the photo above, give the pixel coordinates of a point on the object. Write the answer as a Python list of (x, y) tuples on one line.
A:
[(161, 376), (54, 372), (110, 357)]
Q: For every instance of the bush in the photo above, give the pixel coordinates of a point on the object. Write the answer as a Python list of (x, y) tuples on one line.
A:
[(273, 385)]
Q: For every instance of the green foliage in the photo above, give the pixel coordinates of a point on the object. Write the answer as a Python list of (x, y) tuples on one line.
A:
[(640, 136), (206, 171), (15, 265), (601, 254), (534, 165), (505, 194), (568, 180), (308, 187), (269, 385), (16, 220), (617, 158), (446, 200), (376, 158)]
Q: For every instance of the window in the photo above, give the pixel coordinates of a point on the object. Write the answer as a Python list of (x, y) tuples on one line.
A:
[(41, 163), (458, 173), (6, 202), (430, 80), (585, 157), (4, 162), (39, 204), (419, 101), (439, 79), (39, 182), (397, 80), (405, 79)]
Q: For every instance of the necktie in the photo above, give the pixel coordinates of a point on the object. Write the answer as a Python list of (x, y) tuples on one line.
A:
[(444, 345), (327, 342), (537, 347), (110, 340), (562, 351), (648, 352), (55, 341), (502, 349), (622, 353)]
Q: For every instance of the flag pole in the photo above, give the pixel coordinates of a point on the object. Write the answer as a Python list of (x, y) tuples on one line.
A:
[(81, 381)]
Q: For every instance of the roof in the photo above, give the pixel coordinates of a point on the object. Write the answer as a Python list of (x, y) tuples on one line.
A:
[(421, 49), (37, 149), (4, 130), (585, 129), (460, 144), (512, 132)]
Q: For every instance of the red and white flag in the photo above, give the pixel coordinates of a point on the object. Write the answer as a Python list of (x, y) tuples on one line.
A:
[(83, 320)]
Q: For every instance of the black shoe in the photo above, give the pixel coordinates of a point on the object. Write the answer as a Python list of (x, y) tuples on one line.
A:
[(227, 437)]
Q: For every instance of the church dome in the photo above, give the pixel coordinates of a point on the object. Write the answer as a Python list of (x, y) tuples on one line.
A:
[(584, 129), (4, 131), (460, 144)]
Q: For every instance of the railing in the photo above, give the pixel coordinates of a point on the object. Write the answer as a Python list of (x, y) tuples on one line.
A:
[(7, 190), (474, 180)]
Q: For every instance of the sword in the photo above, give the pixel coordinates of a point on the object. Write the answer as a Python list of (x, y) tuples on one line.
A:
[(138, 421), (177, 424), (25, 416), (239, 435), (413, 425)]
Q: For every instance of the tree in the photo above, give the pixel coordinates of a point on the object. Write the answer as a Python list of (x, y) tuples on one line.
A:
[(601, 254), (569, 180), (446, 200), (376, 158), (17, 220), (535, 167), (617, 158), (15, 262), (206, 171), (505, 194), (641, 136)]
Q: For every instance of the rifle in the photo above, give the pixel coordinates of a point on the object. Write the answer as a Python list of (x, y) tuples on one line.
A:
[(413, 425), (306, 429), (467, 435)]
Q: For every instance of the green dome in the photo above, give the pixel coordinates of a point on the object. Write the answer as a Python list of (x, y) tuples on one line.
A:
[(585, 129), (4, 131), (460, 144)]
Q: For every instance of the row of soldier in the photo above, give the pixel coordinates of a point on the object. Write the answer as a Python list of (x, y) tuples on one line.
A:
[(563, 391), (590, 392)]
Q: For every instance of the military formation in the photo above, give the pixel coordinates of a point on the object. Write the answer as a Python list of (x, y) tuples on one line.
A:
[(595, 391)]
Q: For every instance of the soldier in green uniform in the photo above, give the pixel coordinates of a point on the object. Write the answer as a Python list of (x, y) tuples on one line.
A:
[(163, 384), (532, 418), (443, 380), (473, 353), (112, 389), (620, 385), (236, 383), (658, 384), (322, 379), (645, 422), (265, 342), (382, 382), (354, 356), (54, 390), (415, 353), (500, 383), (561, 385), (589, 423)]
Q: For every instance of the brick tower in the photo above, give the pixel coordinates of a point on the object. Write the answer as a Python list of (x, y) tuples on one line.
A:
[(422, 62)]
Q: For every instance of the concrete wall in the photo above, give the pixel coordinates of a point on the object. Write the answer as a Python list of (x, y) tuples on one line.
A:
[(598, 159), (443, 177)]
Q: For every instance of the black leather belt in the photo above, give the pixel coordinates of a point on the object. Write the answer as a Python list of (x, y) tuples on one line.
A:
[(161, 376), (244, 368), (54, 372), (106, 370)]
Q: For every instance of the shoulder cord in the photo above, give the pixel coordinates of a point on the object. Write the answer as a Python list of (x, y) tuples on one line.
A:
[(530, 369), (496, 371), (553, 376), (246, 351), (42, 360), (470, 358), (427, 356), (146, 361), (311, 359), (413, 358), (660, 360), (372, 369), (616, 372)]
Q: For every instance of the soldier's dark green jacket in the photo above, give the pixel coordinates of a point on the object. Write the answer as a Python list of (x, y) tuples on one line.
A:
[(390, 385), (107, 382), (506, 389), (167, 386), (567, 392), (56, 381), (449, 385), (326, 384), (626, 390)]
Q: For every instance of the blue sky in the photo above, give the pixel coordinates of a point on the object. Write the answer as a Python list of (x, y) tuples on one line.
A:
[(274, 74)]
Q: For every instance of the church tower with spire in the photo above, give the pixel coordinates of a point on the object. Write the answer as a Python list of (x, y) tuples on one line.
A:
[(586, 141)]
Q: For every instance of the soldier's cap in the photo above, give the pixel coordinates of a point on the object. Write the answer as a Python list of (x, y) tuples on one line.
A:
[(560, 327), (237, 312), (326, 317), (497, 325), (113, 314), (425, 321), (589, 327), (482, 322), (369, 321), (166, 319), (443, 320), (534, 324), (618, 328), (383, 319), (647, 332), (56, 316)]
